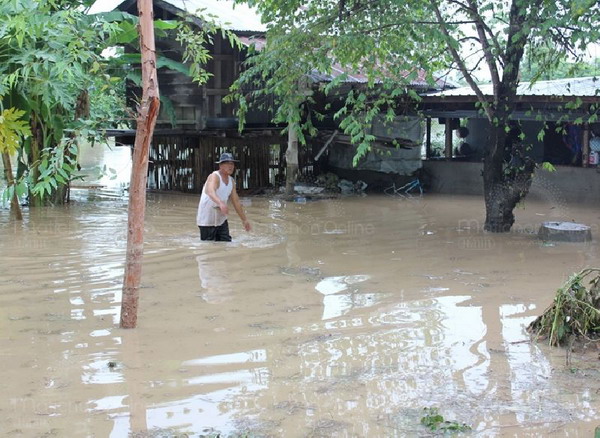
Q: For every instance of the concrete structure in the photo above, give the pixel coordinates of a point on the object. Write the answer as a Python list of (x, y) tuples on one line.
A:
[(566, 185), (565, 232), (563, 109)]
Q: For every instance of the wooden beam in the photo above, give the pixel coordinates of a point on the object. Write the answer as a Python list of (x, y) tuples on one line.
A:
[(448, 144), (428, 138), (217, 91), (585, 152), (325, 145)]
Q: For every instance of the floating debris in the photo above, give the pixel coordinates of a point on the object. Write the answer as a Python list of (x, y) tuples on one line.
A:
[(575, 311)]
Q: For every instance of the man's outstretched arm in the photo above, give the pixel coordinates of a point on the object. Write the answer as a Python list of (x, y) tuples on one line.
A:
[(235, 200)]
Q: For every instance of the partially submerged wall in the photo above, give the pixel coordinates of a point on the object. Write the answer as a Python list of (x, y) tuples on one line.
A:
[(568, 184)]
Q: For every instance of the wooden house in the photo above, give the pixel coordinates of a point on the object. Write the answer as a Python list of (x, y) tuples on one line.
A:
[(196, 124)]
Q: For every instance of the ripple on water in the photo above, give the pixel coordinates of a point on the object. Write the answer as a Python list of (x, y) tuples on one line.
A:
[(332, 285), (98, 370), (368, 339), (247, 240)]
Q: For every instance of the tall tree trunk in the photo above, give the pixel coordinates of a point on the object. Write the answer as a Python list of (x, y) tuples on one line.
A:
[(507, 172), (501, 198), (507, 176), (504, 187), (291, 158), (37, 141), (148, 113), (15, 208), (498, 207)]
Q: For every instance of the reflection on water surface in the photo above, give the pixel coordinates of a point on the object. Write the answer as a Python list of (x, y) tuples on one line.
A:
[(294, 330)]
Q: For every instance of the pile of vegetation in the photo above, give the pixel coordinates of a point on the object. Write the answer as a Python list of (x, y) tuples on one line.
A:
[(575, 311)]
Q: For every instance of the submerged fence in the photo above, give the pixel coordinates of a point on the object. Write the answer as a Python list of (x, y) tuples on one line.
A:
[(182, 163)]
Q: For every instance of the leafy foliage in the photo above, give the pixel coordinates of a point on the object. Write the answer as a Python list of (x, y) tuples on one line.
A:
[(388, 44), (51, 59), (194, 32), (434, 421), (195, 41), (549, 167), (12, 130), (53, 71), (375, 42), (545, 63), (575, 311), (58, 165)]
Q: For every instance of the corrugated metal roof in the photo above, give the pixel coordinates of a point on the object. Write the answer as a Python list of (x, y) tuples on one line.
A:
[(257, 41), (583, 87), (337, 70), (359, 77)]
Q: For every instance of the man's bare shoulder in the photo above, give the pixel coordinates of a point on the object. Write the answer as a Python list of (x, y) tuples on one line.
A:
[(213, 179)]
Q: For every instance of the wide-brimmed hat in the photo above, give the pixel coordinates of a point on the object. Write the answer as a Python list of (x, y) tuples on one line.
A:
[(226, 156)]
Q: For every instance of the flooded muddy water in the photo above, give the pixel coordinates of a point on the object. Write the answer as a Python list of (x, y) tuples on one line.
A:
[(335, 318)]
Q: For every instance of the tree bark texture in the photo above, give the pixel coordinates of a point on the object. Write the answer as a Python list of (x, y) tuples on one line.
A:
[(507, 178), (15, 208), (146, 120), (291, 159), (504, 184), (507, 172), (37, 141)]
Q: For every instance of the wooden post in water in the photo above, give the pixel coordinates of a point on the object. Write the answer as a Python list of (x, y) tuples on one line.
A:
[(291, 158), (146, 120), (15, 208)]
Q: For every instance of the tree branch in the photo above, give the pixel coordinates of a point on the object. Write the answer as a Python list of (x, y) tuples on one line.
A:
[(457, 58), (404, 23), (495, 43), (460, 5), (487, 50)]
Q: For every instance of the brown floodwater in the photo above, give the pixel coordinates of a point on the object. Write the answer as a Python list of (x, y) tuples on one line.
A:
[(336, 318)]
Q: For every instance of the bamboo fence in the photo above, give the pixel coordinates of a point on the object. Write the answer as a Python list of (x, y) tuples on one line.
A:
[(182, 163)]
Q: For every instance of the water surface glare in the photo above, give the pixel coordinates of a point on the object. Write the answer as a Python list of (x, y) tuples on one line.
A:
[(338, 318)]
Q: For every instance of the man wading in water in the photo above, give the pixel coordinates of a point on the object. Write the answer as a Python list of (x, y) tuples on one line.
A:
[(213, 210)]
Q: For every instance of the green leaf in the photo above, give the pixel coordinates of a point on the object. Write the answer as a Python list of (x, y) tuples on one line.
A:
[(166, 25), (127, 34), (8, 193), (541, 135), (162, 61), (21, 188), (12, 130)]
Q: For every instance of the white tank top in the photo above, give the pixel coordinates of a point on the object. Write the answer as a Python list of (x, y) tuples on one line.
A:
[(209, 213)]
